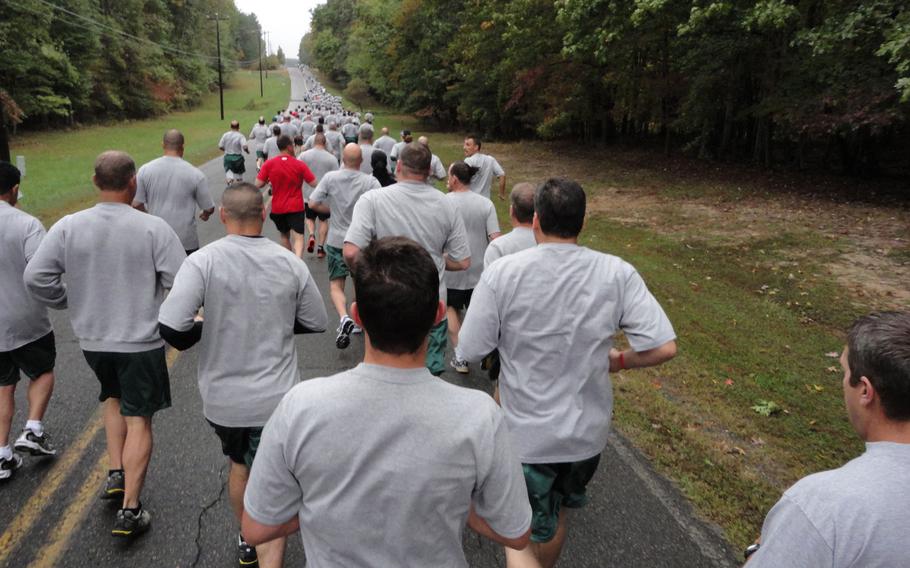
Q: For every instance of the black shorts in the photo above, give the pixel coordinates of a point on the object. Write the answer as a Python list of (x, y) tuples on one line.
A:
[(34, 359), (139, 380), (311, 214), (458, 299), (285, 222), (191, 251), (238, 444)]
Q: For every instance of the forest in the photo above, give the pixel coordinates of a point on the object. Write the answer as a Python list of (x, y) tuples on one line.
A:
[(805, 84)]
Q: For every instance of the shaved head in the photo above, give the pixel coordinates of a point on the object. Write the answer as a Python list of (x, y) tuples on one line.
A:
[(114, 170), (352, 156), (424, 140), (235, 125), (522, 201), (385, 130), (173, 140), (242, 202), (319, 139), (415, 159)]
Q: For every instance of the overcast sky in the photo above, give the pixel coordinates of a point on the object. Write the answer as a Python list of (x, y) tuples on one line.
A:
[(285, 20)]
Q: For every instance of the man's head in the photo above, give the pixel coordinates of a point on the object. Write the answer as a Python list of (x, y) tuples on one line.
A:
[(397, 288), (460, 175), (414, 161), (287, 118), (876, 363), (366, 133), (406, 136), (423, 140), (262, 120), (235, 125), (333, 126), (559, 208), (521, 203), (276, 130), (385, 130), (242, 209), (285, 144), (9, 182), (173, 142), (471, 145), (352, 156), (115, 171), (319, 140)]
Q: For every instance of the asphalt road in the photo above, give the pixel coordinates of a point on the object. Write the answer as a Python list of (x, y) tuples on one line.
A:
[(50, 514)]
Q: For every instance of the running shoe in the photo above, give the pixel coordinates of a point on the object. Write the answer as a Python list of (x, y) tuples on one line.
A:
[(344, 333), (34, 444), (114, 487), (320, 252), (127, 524), (357, 330), (459, 365), (311, 243), (246, 554), (9, 465)]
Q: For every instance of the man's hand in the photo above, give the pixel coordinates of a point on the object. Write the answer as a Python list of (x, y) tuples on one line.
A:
[(615, 355), (204, 215)]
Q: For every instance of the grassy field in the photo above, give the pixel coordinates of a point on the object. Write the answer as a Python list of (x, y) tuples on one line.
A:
[(59, 164)]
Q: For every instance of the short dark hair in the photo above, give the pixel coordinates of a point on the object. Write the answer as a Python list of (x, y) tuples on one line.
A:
[(284, 142), (319, 139), (242, 202), (397, 288), (9, 177), (476, 140), (878, 348), (173, 139), (276, 130), (415, 159), (464, 172), (560, 207), (114, 170), (522, 201)]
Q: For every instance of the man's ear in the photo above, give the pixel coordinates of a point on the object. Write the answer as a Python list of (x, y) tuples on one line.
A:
[(355, 315), (440, 313), (223, 217), (868, 394)]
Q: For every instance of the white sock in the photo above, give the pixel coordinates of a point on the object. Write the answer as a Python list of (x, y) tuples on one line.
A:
[(35, 426), (6, 452)]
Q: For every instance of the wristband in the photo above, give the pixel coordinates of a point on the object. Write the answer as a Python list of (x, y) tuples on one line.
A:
[(622, 360)]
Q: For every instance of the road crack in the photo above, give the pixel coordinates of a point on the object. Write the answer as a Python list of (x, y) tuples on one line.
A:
[(205, 509)]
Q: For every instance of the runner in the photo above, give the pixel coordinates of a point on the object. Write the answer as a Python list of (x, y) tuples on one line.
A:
[(386, 143), (437, 170), (482, 226), (366, 148), (338, 192), (320, 162), (334, 141), (118, 264), (307, 127), (171, 188), (247, 357), (349, 131), (414, 209), (383, 465), (287, 176), (288, 129), (26, 337), (488, 165), (270, 149), (553, 311), (406, 139), (259, 134), (233, 144)]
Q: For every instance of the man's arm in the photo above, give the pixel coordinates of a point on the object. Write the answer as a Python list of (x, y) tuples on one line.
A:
[(206, 213), (204, 198), (351, 252), (177, 321), (479, 333), (457, 265), (43, 274), (311, 316), (169, 254), (482, 528), (319, 206), (502, 187), (630, 359), (256, 533)]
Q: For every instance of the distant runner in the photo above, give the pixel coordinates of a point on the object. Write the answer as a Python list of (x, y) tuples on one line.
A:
[(320, 162), (287, 175), (489, 168), (437, 170), (233, 144), (259, 134), (386, 143)]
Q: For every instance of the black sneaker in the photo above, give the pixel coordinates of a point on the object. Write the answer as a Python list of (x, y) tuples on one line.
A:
[(128, 525), (344, 333), (246, 554), (34, 444), (114, 487), (9, 465)]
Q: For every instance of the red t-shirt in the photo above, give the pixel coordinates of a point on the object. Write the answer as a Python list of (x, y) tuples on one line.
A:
[(287, 175)]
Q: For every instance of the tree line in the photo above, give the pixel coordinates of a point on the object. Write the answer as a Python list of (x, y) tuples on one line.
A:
[(78, 61), (806, 83)]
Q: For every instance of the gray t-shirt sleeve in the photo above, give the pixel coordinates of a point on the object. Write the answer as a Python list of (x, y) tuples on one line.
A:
[(363, 226), (479, 333), (643, 319), (33, 239), (497, 169), (321, 192), (456, 246), (203, 196), (311, 312), (492, 221), (141, 188), (273, 495), (43, 274), (186, 297), (169, 255), (221, 142), (501, 496), (492, 254), (788, 538)]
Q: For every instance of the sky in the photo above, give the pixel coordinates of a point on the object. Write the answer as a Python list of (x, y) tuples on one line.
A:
[(285, 20)]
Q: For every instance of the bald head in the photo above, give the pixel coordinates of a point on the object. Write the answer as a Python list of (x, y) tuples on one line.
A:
[(319, 140), (522, 201), (352, 156), (242, 203), (235, 125), (114, 171), (424, 140), (173, 141), (385, 130)]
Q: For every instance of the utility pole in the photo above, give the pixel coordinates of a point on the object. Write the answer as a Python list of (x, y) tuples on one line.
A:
[(261, 94), (218, 41), (266, 51)]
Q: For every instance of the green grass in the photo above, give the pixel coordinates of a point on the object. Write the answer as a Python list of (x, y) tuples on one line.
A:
[(59, 164)]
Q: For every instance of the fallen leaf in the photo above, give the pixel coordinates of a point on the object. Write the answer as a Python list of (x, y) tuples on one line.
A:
[(766, 407), (832, 354), (832, 369), (729, 382)]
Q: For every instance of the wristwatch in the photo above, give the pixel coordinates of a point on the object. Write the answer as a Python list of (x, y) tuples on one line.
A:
[(751, 549)]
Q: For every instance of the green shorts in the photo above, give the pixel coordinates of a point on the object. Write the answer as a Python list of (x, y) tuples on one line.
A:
[(436, 350), (34, 359), (139, 380), (555, 485), (338, 268), (234, 163), (238, 444)]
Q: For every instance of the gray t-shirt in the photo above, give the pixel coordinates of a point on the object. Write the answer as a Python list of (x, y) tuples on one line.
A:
[(320, 163), (118, 263), (381, 466), (172, 188), (489, 168), (396, 150), (253, 290), (417, 211), (341, 190), (386, 143), (437, 170), (366, 166), (232, 142), (516, 240), (270, 149), (307, 128), (288, 129), (480, 222), (259, 134), (552, 311), (856, 515), (334, 143), (22, 318)]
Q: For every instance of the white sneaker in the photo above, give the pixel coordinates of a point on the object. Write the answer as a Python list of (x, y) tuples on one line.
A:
[(459, 365), (357, 330), (9, 465), (34, 444)]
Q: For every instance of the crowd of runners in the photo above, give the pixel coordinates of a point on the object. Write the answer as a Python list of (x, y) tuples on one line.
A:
[(384, 464)]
